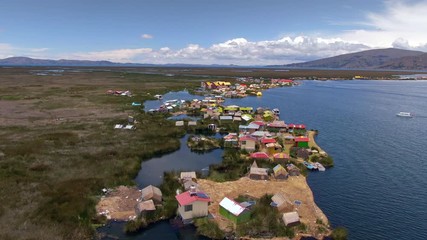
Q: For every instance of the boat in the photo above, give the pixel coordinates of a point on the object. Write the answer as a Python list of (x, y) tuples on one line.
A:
[(319, 166), (404, 114), (309, 166), (276, 111)]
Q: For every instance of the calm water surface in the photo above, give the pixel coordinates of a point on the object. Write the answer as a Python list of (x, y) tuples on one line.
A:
[(377, 188)]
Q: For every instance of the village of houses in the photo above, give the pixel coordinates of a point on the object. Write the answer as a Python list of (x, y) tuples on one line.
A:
[(262, 138)]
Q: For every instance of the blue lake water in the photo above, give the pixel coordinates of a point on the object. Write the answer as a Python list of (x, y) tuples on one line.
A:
[(377, 189)]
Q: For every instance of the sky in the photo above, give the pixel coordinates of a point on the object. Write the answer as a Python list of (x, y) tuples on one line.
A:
[(241, 32)]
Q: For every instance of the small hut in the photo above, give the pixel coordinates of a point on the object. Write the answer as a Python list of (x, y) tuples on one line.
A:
[(145, 206), (281, 202), (151, 192), (291, 218), (280, 172), (293, 170), (301, 142), (233, 211), (256, 173), (281, 157)]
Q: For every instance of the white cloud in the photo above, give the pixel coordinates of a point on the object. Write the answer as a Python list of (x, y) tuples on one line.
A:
[(401, 24), (235, 51), (6, 50), (147, 36), (37, 50), (119, 55)]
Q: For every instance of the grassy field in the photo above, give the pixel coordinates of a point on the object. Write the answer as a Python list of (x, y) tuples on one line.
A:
[(60, 148)]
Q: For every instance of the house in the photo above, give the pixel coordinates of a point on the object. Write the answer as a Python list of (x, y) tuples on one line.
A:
[(291, 218), (251, 128), (281, 202), (256, 173), (151, 192), (292, 170), (260, 134), (276, 125), (226, 118), (280, 172), (187, 176), (231, 140), (233, 211), (192, 123), (144, 206), (192, 204), (301, 142), (247, 143)]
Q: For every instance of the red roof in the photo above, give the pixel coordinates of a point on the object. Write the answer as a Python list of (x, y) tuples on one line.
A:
[(298, 126), (247, 138), (259, 155), (302, 139), (268, 140), (259, 123), (185, 198)]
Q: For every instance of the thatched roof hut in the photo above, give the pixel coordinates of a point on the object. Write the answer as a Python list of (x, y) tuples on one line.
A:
[(151, 192), (281, 202), (280, 172), (257, 173), (145, 206), (291, 218)]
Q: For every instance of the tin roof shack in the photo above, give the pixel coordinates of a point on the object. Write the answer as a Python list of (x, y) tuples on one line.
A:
[(301, 142), (280, 172), (151, 192), (233, 211), (291, 219), (192, 204), (256, 173), (282, 203)]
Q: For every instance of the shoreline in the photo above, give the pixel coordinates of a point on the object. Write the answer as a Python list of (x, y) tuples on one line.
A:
[(295, 188)]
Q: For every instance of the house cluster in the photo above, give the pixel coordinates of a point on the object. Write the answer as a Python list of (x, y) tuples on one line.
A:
[(244, 86), (194, 203)]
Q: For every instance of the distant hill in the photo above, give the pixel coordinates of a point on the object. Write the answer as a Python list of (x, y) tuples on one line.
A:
[(407, 63), (26, 61), (389, 58)]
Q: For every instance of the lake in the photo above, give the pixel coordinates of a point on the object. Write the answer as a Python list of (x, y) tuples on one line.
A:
[(377, 189)]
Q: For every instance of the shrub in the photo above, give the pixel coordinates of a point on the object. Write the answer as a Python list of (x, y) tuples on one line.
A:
[(209, 228), (339, 233)]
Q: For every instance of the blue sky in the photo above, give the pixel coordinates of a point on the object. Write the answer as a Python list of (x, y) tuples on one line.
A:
[(207, 31)]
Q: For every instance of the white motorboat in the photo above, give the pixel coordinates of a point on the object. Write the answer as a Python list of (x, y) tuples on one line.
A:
[(404, 114)]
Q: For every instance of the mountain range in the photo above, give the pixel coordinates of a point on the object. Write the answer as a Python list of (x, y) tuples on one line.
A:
[(376, 59)]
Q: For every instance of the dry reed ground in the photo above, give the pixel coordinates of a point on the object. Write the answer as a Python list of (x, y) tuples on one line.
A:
[(295, 188)]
